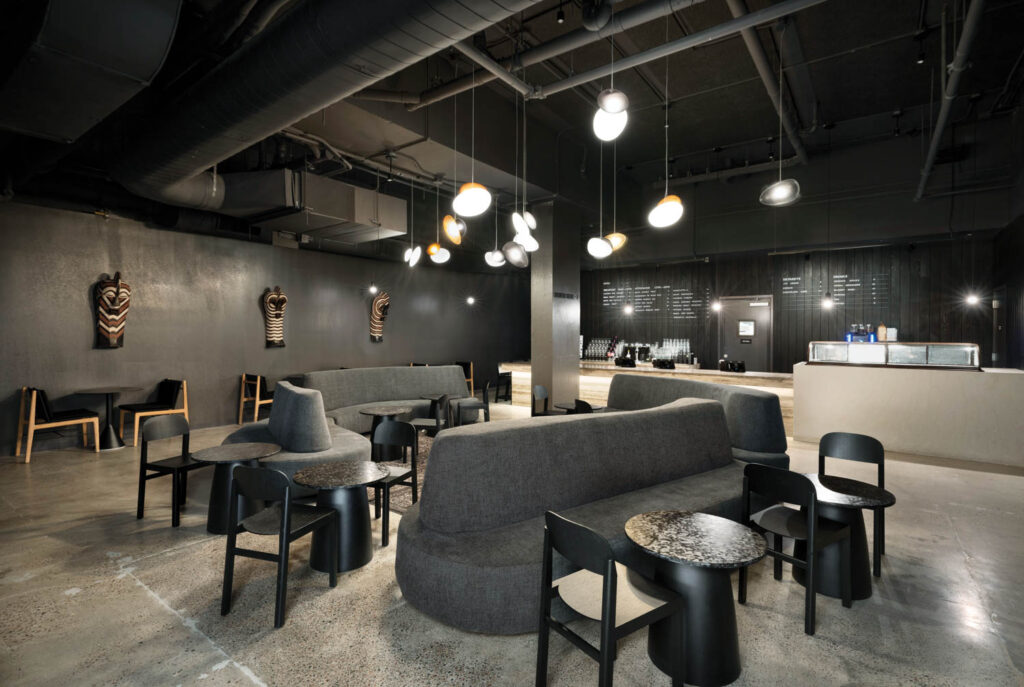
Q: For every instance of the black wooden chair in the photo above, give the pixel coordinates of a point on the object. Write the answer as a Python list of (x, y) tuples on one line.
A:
[(177, 467), (603, 590), (863, 449), (166, 403), (540, 393), (287, 520), (442, 418), (40, 415), (253, 389), (503, 387), (404, 435), (776, 484), (484, 406)]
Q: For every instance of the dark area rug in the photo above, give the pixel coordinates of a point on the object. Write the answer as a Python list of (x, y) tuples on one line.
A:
[(401, 497)]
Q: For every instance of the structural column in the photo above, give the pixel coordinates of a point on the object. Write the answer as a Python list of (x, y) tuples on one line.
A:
[(555, 301)]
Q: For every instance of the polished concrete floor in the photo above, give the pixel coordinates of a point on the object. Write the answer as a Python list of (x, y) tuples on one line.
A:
[(91, 596)]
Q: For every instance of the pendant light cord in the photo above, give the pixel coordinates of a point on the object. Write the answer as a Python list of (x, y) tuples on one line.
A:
[(437, 211), (472, 130), (780, 109), (515, 171), (615, 185), (666, 108), (455, 141), (412, 212), (600, 193), (495, 226), (524, 147)]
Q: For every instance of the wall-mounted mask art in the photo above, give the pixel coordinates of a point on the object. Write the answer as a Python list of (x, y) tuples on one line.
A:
[(379, 313), (113, 298), (274, 303)]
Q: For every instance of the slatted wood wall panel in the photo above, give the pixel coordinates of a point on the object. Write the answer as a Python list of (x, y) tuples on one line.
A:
[(918, 289)]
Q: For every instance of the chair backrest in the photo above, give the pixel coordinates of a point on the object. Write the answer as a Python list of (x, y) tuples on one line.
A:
[(395, 433), (443, 411), (856, 447), (164, 427), (262, 484), (776, 484), (167, 392), (297, 419), (252, 382), (582, 407), (466, 366), (580, 545), (43, 410)]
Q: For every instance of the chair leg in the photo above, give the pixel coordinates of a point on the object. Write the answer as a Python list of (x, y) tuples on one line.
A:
[(777, 545), (21, 423), (120, 430), (142, 491), (229, 573), (85, 435), (376, 503), (28, 442), (175, 502), (811, 594), (183, 491), (741, 597), (241, 400), (877, 553), (135, 433), (282, 581), (385, 524), (415, 478), (95, 435), (335, 525), (844, 579), (881, 532), (606, 664)]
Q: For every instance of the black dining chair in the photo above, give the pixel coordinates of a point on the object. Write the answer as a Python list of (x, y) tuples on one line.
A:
[(405, 436), (863, 449), (540, 393), (464, 404), (625, 601), (776, 484), (442, 418), (503, 387), (178, 467), (283, 518), (166, 403)]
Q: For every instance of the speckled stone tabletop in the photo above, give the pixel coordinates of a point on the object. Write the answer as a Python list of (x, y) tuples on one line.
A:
[(697, 539), (233, 453), (344, 473), (386, 411), (849, 493)]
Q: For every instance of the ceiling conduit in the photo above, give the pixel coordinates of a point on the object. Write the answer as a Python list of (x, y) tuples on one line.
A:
[(320, 52)]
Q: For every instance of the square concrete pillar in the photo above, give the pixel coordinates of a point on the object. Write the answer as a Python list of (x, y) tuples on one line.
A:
[(555, 301)]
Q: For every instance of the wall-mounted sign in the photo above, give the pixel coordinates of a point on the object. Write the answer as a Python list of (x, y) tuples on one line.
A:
[(746, 328), (746, 341)]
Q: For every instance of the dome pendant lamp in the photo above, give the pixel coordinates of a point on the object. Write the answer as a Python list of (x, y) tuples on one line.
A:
[(495, 258), (617, 239), (669, 209), (612, 108), (600, 247), (413, 252), (438, 254), (473, 199), (784, 191), (520, 223)]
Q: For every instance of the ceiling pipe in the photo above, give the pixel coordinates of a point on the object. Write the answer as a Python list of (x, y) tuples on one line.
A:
[(493, 67), (318, 53), (627, 19), (724, 174), (956, 70), (769, 79), (694, 40), (385, 96)]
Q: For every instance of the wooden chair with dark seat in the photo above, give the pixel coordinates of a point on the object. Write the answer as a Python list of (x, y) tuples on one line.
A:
[(605, 590), (35, 414), (177, 467), (283, 518), (464, 404), (166, 403), (540, 393), (467, 368), (863, 449), (776, 484), (442, 418), (254, 390), (403, 435)]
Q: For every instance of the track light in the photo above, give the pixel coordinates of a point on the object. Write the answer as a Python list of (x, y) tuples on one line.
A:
[(560, 17)]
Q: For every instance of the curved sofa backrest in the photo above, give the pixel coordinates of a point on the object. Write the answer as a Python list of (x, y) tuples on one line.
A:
[(343, 388), (297, 419), (754, 417), (497, 473)]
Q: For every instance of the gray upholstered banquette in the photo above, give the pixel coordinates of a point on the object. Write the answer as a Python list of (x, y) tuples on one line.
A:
[(469, 554)]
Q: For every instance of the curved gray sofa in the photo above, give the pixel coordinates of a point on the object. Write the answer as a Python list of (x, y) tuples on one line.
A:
[(346, 392), (297, 422), (469, 554), (754, 417)]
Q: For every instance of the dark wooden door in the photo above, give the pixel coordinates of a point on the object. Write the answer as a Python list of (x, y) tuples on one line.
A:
[(745, 331)]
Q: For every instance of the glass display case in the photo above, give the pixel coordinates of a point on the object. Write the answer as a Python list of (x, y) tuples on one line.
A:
[(958, 356)]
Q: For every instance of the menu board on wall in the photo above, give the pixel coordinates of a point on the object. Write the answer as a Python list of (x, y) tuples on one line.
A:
[(656, 300), (846, 289)]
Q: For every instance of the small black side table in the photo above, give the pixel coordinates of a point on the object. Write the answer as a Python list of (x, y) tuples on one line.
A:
[(695, 553), (571, 407), (843, 500), (384, 414), (342, 486), (109, 441), (224, 458)]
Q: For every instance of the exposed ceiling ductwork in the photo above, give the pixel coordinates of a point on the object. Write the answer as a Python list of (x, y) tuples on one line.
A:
[(320, 52)]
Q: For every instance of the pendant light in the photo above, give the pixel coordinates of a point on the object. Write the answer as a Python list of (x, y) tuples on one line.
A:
[(520, 223), (617, 239), (413, 252), (784, 191), (669, 209), (515, 254), (438, 254), (600, 247), (473, 199), (612, 108), (495, 258), (827, 302), (531, 221)]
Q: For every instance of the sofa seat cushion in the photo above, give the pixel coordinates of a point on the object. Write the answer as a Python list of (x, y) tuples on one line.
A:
[(350, 418), (345, 445), (487, 581)]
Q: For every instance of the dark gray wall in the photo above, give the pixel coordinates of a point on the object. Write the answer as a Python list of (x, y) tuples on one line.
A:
[(195, 312), (1009, 274)]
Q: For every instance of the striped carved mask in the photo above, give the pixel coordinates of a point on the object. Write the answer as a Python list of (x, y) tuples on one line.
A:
[(379, 313), (113, 298), (274, 303)]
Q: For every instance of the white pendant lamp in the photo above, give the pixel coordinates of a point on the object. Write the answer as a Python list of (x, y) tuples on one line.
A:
[(607, 127), (617, 239), (669, 209), (438, 254), (528, 217), (515, 254), (473, 199), (600, 247), (495, 258), (784, 191), (527, 241), (520, 223), (413, 253), (454, 229), (612, 108)]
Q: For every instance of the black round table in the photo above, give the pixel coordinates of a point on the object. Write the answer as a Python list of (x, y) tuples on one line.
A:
[(384, 414), (342, 486), (109, 441), (571, 407), (224, 458), (843, 500), (695, 554)]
